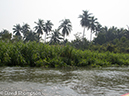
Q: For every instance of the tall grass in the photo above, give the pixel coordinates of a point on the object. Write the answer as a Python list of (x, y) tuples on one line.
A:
[(35, 54)]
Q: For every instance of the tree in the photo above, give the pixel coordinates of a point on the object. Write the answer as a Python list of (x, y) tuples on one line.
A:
[(56, 37), (102, 36), (127, 33), (5, 35), (25, 30), (106, 35), (66, 27), (92, 25), (85, 20), (80, 43), (98, 28), (17, 30), (47, 27), (100, 39), (31, 36), (40, 27)]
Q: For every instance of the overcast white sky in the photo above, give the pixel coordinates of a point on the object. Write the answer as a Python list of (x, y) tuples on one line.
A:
[(109, 12)]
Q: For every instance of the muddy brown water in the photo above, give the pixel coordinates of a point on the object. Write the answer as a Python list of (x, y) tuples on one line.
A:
[(25, 81)]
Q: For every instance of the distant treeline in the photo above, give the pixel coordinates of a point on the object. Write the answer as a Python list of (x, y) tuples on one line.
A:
[(25, 47), (107, 39)]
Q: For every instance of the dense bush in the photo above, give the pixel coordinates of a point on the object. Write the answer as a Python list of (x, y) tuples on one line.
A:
[(35, 54)]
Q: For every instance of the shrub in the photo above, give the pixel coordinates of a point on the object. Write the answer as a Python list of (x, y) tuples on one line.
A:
[(38, 54)]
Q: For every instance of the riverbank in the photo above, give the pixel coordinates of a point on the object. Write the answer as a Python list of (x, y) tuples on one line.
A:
[(34, 54)]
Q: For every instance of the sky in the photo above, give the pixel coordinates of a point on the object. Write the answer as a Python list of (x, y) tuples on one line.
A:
[(108, 12)]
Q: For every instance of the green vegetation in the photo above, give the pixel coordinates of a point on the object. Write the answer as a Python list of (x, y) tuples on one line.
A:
[(38, 54), (25, 47)]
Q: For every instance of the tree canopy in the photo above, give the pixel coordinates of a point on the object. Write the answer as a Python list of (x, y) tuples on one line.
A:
[(112, 38)]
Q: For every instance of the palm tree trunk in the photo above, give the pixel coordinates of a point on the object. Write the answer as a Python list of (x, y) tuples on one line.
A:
[(91, 36), (45, 37), (64, 37), (83, 33)]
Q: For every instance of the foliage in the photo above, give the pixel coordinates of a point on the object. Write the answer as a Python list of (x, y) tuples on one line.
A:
[(40, 27), (106, 35), (85, 20), (25, 30), (92, 25), (66, 27), (47, 28), (110, 47), (5, 35), (35, 54), (17, 30), (56, 37)]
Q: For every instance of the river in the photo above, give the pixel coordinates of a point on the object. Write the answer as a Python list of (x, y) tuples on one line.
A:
[(25, 81)]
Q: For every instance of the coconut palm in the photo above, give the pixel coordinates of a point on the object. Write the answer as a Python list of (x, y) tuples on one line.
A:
[(66, 27), (40, 27), (25, 29), (17, 30), (56, 37), (98, 28), (85, 20), (47, 28), (31, 36), (92, 25)]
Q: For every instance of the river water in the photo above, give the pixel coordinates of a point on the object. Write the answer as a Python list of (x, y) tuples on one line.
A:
[(25, 81)]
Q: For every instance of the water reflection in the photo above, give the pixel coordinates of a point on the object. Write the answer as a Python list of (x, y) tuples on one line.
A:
[(81, 82)]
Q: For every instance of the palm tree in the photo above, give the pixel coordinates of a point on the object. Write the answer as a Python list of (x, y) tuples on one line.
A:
[(47, 28), (25, 29), (85, 20), (31, 36), (105, 31), (92, 25), (40, 27), (17, 30), (56, 36), (66, 27), (98, 28)]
